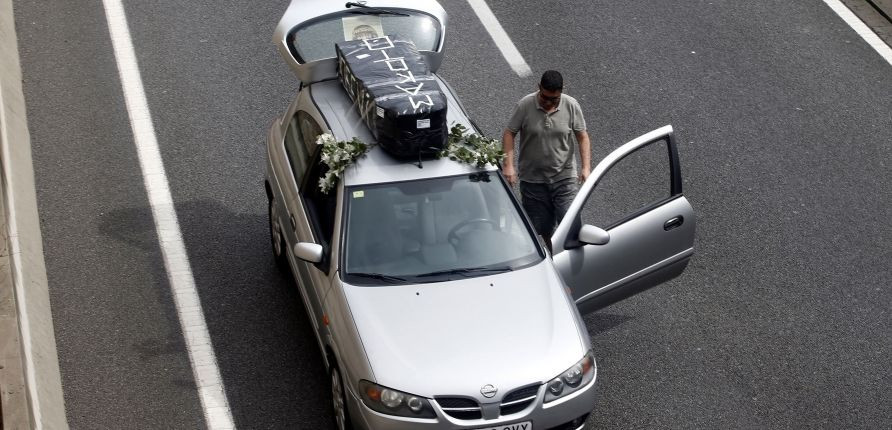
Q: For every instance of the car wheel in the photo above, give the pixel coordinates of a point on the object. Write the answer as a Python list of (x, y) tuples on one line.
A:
[(339, 401), (277, 239)]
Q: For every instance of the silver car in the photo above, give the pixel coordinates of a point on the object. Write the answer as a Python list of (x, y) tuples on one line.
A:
[(433, 302)]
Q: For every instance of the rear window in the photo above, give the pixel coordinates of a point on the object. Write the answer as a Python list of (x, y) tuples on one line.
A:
[(316, 39)]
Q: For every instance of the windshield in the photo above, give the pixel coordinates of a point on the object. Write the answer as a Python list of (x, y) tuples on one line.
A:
[(434, 229), (315, 40)]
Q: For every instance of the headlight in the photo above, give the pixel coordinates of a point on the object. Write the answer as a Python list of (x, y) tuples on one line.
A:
[(572, 379), (392, 402)]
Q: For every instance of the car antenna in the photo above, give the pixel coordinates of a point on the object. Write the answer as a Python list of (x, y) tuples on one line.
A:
[(361, 4)]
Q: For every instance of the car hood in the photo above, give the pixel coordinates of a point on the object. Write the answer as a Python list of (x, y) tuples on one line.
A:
[(452, 338)]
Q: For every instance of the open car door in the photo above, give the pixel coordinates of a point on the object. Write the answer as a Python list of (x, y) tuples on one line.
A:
[(630, 227)]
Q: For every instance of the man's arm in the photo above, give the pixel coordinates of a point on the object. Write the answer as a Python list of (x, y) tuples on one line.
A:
[(585, 152), (508, 166)]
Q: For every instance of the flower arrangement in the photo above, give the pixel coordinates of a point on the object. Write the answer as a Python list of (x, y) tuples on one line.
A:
[(470, 148), (337, 155)]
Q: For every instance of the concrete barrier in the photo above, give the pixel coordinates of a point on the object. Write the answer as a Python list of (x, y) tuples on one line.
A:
[(884, 6), (30, 383), (877, 14), (14, 409)]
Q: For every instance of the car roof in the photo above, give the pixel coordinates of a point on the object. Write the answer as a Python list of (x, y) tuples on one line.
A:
[(377, 166)]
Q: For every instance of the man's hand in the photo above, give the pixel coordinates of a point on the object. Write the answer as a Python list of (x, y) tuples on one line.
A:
[(508, 165), (583, 175), (510, 174)]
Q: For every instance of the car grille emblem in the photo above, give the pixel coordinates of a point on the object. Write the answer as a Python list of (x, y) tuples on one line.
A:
[(488, 391)]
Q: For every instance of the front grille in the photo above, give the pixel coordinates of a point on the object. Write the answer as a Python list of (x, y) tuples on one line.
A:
[(465, 415), (521, 393), (465, 408), (514, 408), (456, 402), (518, 399), (460, 407)]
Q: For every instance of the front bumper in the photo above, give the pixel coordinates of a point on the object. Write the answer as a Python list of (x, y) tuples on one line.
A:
[(562, 414)]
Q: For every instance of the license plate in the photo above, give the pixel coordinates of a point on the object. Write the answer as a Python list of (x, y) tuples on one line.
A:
[(526, 425)]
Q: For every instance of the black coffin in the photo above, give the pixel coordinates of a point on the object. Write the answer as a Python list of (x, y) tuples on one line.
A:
[(397, 96)]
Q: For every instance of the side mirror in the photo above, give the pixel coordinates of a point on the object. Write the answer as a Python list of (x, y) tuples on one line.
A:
[(592, 235), (309, 252)]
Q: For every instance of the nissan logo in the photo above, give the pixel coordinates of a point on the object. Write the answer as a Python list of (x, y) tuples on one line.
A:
[(488, 391)]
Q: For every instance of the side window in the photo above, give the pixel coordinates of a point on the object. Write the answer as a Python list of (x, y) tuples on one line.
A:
[(298, 153), (320, 207), (633, 185), (309, 130)]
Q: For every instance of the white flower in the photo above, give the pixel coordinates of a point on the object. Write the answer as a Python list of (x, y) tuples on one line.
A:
[(337, 156), (325, 138)]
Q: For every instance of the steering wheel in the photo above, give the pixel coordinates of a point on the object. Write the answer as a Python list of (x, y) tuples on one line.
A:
[(452, 237)]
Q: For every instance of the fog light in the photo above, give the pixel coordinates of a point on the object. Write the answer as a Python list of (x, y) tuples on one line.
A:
[(579, 421)]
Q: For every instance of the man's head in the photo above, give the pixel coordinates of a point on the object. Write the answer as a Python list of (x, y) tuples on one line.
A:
[(550, 87)]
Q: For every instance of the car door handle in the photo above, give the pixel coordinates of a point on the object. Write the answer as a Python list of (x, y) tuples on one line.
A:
[(673, 223), (293, 222)]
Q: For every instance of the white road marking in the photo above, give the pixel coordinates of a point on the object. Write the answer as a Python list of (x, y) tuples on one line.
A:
[(179, 272), (862, 29), (500, 37)]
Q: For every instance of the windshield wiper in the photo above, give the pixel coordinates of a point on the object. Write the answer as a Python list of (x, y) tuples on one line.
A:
[(378, 276), (467, 271), (373, 10)]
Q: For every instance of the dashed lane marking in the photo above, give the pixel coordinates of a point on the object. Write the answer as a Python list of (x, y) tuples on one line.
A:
[(500, 37)]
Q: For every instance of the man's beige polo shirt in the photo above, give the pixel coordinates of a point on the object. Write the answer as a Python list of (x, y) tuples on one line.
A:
[(546, 150)]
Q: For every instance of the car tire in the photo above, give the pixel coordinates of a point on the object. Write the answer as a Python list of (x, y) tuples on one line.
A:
[(339, 401), (277, 239)]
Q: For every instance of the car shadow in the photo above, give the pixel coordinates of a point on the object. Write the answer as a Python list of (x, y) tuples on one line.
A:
[(266, 351), (599, 323)]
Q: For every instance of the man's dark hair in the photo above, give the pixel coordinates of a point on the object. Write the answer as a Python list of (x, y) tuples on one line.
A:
[(552, 81)]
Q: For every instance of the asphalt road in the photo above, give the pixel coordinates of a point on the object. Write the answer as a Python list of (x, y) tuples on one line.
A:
[(783, 118)]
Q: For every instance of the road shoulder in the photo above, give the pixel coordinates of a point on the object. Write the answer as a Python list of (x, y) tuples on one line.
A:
[(876, 14), (30, 382)]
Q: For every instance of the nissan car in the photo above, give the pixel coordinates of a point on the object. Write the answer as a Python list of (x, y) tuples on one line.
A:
[(433, 302)]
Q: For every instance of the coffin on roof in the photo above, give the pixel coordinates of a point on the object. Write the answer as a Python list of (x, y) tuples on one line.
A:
[(397, 97)]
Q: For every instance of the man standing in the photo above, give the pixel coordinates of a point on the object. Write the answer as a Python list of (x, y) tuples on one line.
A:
[(546, 121)]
